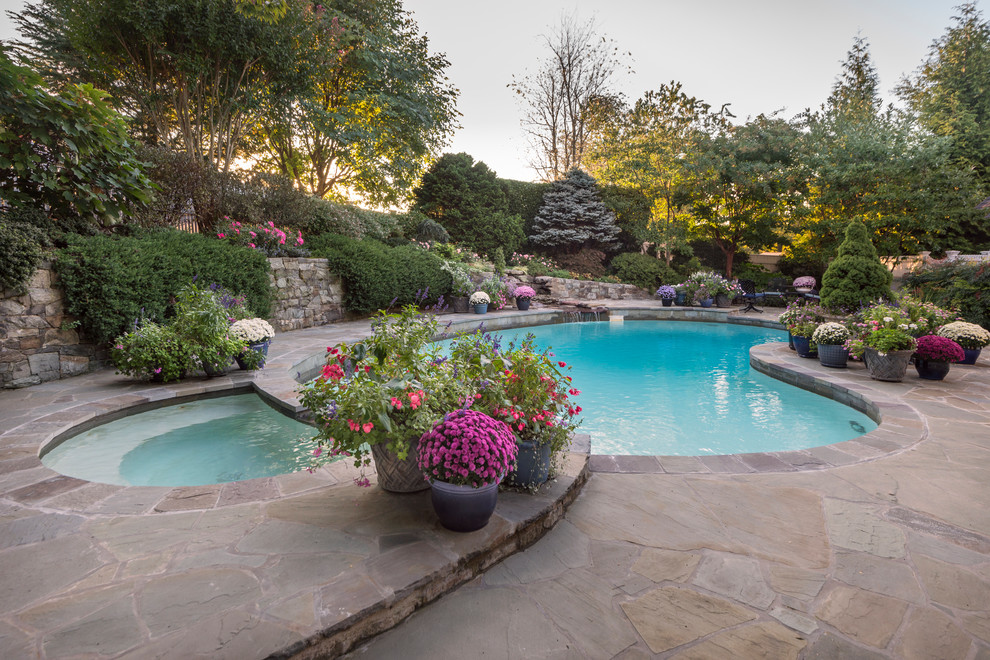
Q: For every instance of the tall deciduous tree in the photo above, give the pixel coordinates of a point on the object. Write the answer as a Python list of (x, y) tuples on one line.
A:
[(375, 109), (194, 74), (950, 92), (573, 217), (744, 186), (560, 97), (646, 147), (66, 152)]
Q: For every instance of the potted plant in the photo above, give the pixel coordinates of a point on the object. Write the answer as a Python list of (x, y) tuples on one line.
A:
[(798, 312), (667, 294), (203, 322), (804, 284), (479, 301), (257, 334), (526, 388), (803, 331), (376, 398), (523, 294), (970, 336), (684, 295), (497, 289), (707, 286), (887, 353), (464, 457), (933, 355), (152, 351), (830, 338), (461, 286)]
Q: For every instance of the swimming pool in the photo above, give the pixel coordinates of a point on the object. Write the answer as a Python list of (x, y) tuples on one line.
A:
[(190, 444), (683, 388)]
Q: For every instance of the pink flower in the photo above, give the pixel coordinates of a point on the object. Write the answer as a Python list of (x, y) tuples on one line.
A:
[(367, 427), (253, 235), (158, 370), (317, 451), (221, 235), (251, 245)]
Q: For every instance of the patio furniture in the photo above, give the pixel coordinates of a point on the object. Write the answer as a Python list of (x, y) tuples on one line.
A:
[(750, 294)]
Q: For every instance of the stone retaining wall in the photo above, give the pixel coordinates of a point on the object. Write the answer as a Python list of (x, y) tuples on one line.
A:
[(37, 341), (306, 294), (561, 289)]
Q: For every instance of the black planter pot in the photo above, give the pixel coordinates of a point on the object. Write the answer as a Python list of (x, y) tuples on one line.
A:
[(463, 508), (532, 465), (722, 300), (931, 369), (803, 347), (522, 304), (667, 302)]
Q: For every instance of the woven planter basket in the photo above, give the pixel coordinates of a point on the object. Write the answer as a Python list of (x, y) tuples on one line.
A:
[(398, 476), (833, 355), (889, 367)]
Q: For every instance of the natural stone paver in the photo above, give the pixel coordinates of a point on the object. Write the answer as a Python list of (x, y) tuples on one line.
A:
[(762, 640), (931, 634), (858, 527), (662, 565), (669, 617), (865, 616), (735, 577), (878, 547)]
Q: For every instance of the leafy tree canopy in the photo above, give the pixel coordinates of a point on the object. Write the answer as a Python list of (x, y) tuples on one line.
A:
[(67, 152)]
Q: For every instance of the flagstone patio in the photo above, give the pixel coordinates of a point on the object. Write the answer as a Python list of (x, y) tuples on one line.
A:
[(874, 548)]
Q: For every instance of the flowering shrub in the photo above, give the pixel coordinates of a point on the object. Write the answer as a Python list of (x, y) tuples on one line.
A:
[(266, 238), (925, 315), (152, 351), (667, 292), (705, 284), (497, 289), (830, 333), (801, 316), (938, 349), (479, 298), (889, 339), (467, 448), (520, 385), (524, 292), (252, 331), (967, 335), (805, 281), (461, 284), (390, 388)]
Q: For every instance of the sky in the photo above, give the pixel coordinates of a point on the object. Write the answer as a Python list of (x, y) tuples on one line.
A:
[(757, 55)]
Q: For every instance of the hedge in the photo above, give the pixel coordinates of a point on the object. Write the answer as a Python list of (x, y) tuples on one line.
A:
[(110, 282), (377, 276), (964, 286)]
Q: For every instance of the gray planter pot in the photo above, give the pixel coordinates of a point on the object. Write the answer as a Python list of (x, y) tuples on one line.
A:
[(889, 367), (833, 355)]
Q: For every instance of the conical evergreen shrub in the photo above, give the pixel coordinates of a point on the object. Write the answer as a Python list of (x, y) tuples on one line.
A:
[(573, 216), (857, 276)]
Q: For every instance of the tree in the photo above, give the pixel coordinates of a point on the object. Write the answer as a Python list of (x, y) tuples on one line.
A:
[(195, 75), (574, 217), (67, 152), (857, 276), (646, 147), (469, 201), (561, 95), (743, 185), (855, 94), (949, 90), (375, 108)]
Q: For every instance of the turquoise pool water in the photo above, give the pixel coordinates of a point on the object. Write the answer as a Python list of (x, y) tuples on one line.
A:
[(190, 444), (680, 388)]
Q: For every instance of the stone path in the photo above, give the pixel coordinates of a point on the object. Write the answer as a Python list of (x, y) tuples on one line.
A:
[(877, 548), (887, 557)]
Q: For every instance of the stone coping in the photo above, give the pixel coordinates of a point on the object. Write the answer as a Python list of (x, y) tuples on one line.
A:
[(317, 563)]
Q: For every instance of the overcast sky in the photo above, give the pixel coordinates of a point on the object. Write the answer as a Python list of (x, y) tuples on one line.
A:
[(757, 55)]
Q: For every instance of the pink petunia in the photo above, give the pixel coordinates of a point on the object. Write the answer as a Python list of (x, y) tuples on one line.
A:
[(367, 427)]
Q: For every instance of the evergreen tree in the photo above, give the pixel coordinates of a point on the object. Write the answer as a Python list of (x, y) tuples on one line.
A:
[(856, 276), (469, 201), (855, 95), (573, 217)]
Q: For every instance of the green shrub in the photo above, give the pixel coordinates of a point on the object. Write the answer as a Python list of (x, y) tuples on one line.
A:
[(110, 282), (377, 276), (857, 276), (524, 199), (644, 271), (430, 231), (964, 286), (491, 231), (21, 250)]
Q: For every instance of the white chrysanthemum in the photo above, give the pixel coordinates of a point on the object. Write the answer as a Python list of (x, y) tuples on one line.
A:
[(253, 331)]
